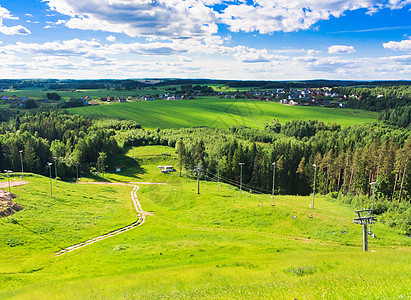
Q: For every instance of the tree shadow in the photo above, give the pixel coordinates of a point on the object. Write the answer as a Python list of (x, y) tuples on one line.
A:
[(129, 167), (39, 235)]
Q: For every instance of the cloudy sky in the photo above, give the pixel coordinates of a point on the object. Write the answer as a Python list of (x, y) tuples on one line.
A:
[(218, 39)]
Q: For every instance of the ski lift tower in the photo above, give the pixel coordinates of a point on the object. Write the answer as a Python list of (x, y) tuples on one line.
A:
[(365, 217)]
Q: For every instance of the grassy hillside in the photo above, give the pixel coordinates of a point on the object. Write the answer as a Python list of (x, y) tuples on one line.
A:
[(217, 245), (221, 113), (34, 93)]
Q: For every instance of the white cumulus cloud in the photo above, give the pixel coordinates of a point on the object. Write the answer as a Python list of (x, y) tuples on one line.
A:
[(171, 19), (267, 16), (340, 49), (11, 30), (111, 38), (404, 45)]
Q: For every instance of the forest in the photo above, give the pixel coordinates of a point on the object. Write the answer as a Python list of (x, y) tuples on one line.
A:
[(346, 159), (132, 84), (393, 102)]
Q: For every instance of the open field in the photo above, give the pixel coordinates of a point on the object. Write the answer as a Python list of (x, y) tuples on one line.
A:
[(214, 245), (221, 113), (94, 93)]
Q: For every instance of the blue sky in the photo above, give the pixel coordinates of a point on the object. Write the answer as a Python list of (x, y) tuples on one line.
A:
[(238, 39)]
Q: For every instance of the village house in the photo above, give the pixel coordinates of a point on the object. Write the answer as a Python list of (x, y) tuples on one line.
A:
[(149, 98)]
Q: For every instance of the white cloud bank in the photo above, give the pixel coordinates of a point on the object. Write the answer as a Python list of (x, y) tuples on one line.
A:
[(11, 30), (78, 58)]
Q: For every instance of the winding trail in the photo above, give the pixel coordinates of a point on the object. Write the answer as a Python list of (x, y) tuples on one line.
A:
[(140, 221)]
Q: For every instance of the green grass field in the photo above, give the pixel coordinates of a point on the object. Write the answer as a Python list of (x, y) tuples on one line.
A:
[(210, 246), (221, 113), (38, 93)]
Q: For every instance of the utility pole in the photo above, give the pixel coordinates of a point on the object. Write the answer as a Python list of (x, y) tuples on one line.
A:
[(364, 219), (315, 173), (77, 170), (51, 185), (198, 169), (272, 194), (218, 172), (55, 169), (21, 159), (11, 200), (241, 176), (181, 165), (373, 184)]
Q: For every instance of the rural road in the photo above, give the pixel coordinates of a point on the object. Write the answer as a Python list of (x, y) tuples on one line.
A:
[(140, 221)]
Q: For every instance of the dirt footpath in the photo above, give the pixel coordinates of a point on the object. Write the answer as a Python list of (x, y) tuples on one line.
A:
[(5, 197), (5, 185)]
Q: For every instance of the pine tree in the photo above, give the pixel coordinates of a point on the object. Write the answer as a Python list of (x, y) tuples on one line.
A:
[(199, 153), (354, 167), (181, 151), (338, 167), (102, 162), (347, 162), (327, 162), (406, 152), (30, 158), (280, 167), (301, 166)]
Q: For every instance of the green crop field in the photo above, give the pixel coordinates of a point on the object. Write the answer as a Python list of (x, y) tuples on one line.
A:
[(221, 244), (221, 113), (37, 93)]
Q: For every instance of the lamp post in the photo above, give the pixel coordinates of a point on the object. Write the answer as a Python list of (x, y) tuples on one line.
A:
[(55, 168), (21, 159), (241, 176), (51, 185), (11, 200), (315, 173), (272, 193)]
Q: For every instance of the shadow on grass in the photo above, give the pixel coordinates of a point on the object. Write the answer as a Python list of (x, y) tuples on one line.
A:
[(98, 178), (129, 167), (38, 234)]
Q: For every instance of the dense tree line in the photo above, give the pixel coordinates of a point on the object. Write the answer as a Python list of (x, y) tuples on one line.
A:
[(347, 159), (393, 102), (400, 116), (71, 139), (132, 84), (396, 91), (373, 103), (359, 153)]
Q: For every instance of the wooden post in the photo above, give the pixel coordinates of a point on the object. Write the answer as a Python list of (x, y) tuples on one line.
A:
[(365, 237), (198, 182)]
